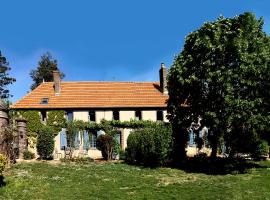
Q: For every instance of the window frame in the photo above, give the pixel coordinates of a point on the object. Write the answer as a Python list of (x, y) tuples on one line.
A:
[(93, 114), (160, 115), (116, 113), (139, 116)]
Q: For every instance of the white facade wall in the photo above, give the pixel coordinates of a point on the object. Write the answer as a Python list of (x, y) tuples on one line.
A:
[(165, 116), (103, 114), (125, 134), (149, 115), (126, 115), (80, 115)]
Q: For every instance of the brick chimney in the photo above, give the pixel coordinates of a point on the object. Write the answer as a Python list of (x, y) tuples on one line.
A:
[(163, 79), (57, 82)]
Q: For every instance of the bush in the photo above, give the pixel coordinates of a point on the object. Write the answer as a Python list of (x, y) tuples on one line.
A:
[(3, 162), (106, 144), (122, 155), (28, 155), (260, 150), (45, 143), (150, 146)]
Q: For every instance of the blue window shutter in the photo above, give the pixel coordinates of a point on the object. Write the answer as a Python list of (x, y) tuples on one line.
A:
[(63, 140), (85, 140)]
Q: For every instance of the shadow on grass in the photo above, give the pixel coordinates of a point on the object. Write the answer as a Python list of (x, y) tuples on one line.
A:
[(2, 182), (217, 166)]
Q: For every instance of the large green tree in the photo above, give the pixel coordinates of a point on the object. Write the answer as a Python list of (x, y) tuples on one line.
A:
[(46, 66), (5, 79), (222, 76)]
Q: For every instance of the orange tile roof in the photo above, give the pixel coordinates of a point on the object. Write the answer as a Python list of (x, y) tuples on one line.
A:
[(95, 95)]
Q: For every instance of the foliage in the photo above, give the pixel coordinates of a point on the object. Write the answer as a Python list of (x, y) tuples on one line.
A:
[(3, 162), (44, 70), (6, 143), (56, 119), (28, 155), (34, 124), (108, 126), (222, 76), (106, 144), (5, 79), (149, 146), (260, 149), (122, 155), (45, 143), (73, 127)]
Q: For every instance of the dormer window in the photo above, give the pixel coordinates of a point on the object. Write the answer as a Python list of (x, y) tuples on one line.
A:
[(44, 101)]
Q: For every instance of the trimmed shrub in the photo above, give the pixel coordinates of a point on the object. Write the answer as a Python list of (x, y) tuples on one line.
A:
[(260, 149), (150, 146), (3, 162), (45, 143), (106, 144), (28, 155)]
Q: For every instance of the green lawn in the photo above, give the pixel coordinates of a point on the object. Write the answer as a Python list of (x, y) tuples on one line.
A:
[(121, 181)]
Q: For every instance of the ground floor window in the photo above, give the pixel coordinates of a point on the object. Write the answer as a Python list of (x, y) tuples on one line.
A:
[(93, 140), (86, 139), (191, 141), (64, 140)]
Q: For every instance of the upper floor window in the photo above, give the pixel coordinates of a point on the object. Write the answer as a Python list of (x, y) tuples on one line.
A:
[(160, 115), (138, 115), (43, 115), (92, 116), (116, 115), (69, 115)]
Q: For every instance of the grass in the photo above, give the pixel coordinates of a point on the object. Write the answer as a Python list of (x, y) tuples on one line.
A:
[(120, 181)]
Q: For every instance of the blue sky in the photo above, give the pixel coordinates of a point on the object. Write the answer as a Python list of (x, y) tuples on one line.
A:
[(119, 40)]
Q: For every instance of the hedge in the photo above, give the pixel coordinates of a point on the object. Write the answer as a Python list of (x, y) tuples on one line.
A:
[(45, 143), (150, 146)]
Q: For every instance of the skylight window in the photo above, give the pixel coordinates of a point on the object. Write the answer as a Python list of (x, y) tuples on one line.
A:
[(44, 101)]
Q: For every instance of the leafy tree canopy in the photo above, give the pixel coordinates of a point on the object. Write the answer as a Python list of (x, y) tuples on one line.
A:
[(44, 70), (222, 76), (5, 80)]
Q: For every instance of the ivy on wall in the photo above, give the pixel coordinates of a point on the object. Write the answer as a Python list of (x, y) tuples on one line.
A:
[(56, 119), (108, 125), (34, 125)]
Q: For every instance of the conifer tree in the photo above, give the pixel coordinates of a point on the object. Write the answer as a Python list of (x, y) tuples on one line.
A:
[(44, 70), (5, 79)]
